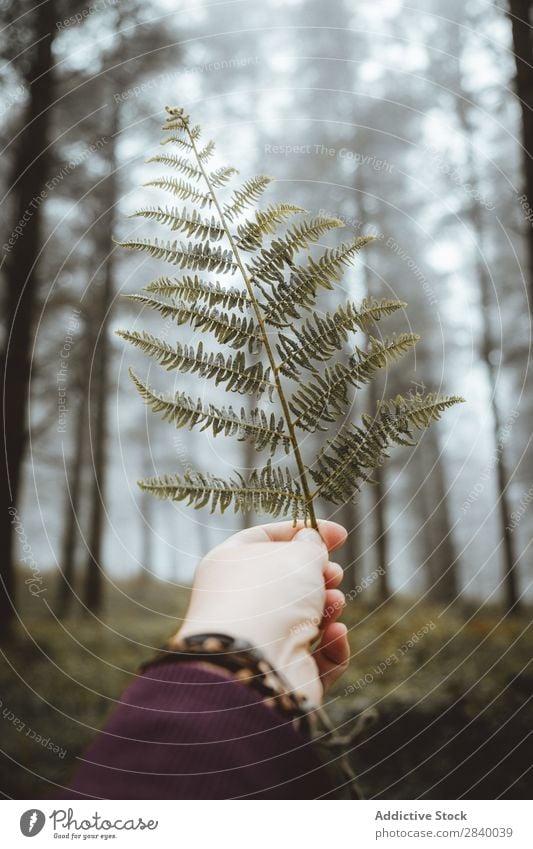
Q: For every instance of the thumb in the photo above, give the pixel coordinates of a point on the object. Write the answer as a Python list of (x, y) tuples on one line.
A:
[(310, 548), (331, 534), (309, 535)]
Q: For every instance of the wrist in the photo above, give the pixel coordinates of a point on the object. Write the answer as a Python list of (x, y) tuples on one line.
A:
[(238, 659), (288, 655)]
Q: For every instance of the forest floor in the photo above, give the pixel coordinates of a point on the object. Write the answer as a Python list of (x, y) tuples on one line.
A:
[(453, 691)]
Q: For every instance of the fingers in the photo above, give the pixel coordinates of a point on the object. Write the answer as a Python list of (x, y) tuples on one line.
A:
[(333, 606), (333, 534), (333, 575), (333, 653)]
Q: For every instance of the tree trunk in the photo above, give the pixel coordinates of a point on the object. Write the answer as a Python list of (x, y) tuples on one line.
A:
[(350, 555), (502, 479), (475, 217), (146, 536), (378, 512), (520, 21), (146, 519), (378, 489), (73, 495), (441, 557), (30, 173), (94, 571)]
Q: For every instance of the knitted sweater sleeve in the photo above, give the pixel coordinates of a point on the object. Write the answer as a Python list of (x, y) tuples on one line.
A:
[(182, 731)]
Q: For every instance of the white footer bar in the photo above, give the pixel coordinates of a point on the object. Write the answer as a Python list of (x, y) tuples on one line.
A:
[(267, 825)]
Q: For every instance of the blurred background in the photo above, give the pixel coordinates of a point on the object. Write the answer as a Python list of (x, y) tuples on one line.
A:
[(411, 122)]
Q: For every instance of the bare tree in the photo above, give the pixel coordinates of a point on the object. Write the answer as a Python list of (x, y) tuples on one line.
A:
[(474, 215), (520, 14), (92, 595), (74, 482), (441, 558), (147, 518), (378, 491), (28, 181)]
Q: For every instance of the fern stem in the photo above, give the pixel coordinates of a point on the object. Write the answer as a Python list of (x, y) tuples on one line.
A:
[(268, 348)]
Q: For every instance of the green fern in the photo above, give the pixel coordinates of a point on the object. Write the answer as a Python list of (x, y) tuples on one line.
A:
[(270, 314)]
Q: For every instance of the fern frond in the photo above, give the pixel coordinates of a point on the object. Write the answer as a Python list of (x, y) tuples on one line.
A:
[(320, 336), (268, 268), (232, 371), (356, 451), (269, 490), (304, 280), (221, 176), (325, 397), (179, 141), (192, 289), (306, 233), (181, 411), (183, 190), (374, 309), (247, 195), (269, 265), (230, 330), (250, 234), (415, 410), (197, 256), (282, 305), (284, 300), (329, 268), (179, 163), (273, 313), (206, 152), (185, 221)]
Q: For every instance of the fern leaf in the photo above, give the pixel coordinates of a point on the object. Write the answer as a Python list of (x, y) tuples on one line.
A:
[(206, 152), (320, 336), (374, 309), (186, 221), (221, 176), (179, 163), (183, 190), (308, 232), (232, 370), (230, 330), (277, 291), (192, 289), (178, 120), (416, 410), (250, 234), (285, 300), (247, 195), (268, 266), (356, 451), (329, 268), (197, 256), (282, 304), (269, 490), (179, 141), (181, 411), (326, 396)]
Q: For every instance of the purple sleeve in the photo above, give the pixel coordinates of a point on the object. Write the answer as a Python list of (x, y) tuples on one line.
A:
[(185, 732)]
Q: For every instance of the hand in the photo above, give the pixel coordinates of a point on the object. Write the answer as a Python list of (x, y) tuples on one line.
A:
[(274, 586)]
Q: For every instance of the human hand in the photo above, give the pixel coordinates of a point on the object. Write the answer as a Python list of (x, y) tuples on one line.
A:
[(274, 586)]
